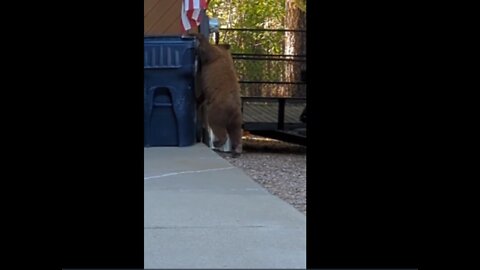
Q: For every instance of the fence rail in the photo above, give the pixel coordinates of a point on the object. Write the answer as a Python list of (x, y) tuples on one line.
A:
[(262, 70)]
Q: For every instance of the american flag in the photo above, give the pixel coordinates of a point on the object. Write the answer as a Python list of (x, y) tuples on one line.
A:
[(191, 13)]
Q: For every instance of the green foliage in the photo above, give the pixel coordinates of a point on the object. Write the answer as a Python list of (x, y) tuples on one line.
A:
[(254, 14), (301, 4), (265, 14)]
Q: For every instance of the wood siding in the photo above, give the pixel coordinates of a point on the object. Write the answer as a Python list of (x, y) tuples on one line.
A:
[(162, 17)]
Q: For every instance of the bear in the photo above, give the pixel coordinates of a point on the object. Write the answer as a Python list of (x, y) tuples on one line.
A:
[(220, 94)]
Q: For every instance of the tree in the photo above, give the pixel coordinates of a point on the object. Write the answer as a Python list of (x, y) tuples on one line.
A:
[(295, 42)]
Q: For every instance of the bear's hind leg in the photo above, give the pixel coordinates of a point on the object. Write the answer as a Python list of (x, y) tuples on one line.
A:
[(235, 133), (220, 136)]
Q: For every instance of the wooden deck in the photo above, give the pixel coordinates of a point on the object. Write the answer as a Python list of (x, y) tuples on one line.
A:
[(264, 115), (260, 117)]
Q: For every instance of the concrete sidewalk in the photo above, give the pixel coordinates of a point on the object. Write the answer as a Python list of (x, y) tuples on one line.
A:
[(201, 212)]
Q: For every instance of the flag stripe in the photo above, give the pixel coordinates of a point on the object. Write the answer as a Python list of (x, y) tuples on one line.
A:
[(185, 22), (190, 13)]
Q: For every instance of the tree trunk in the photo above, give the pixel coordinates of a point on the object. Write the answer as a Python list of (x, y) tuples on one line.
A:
[(295, 44)]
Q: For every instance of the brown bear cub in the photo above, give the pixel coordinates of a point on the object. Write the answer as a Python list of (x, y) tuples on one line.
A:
[(220, 93)]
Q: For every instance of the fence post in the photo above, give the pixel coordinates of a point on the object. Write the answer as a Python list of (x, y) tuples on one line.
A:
[(281, 113)]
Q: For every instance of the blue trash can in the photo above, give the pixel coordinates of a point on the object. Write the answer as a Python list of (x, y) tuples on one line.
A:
[(169, 94)]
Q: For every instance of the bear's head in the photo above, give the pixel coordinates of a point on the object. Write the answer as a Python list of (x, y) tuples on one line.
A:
[(209, 52)]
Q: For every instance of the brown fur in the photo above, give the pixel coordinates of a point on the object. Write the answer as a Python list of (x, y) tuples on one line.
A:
[(220, 93)]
